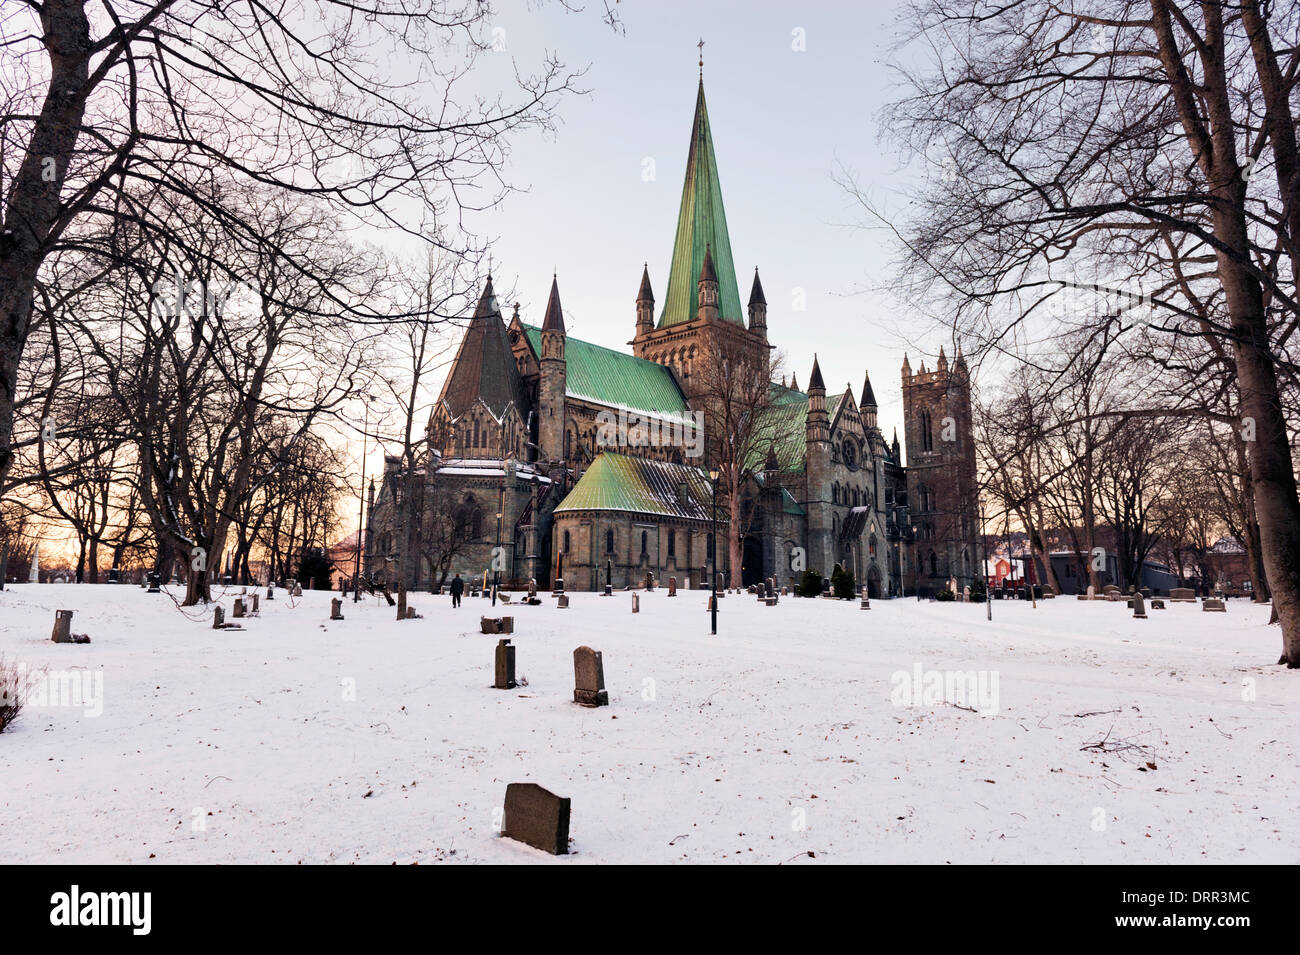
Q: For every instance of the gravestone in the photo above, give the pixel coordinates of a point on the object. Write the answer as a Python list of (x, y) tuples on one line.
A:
[(636, 603), (1216, 606), (770, 601), (218, 618), (1113, 595), (239, 608), (965, 595), (589, 678), (536, 817), (336, 609), (672, 586), (1110, 589), (785, 591), (1139, 606), (401, 600), (270, 593), (826, 586), (153, 584), (866, 600), (532, 587), (255, 610), (649, 582), (411, 614), (62, 626), (505, 666), (1157, 604), (1092, 592), (1182, 595), (562, 602)]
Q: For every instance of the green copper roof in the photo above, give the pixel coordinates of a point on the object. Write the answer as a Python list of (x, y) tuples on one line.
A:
[(783, 428), (701, 224), (619, 482), (617, 380)]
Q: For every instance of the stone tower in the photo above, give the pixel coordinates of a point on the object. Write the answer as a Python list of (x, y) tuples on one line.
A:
[(758, 309), (942, 494), (817, 439), (645, 305), (552, 380)]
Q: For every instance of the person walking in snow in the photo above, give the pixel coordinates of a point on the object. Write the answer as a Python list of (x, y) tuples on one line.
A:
[(457, 588)]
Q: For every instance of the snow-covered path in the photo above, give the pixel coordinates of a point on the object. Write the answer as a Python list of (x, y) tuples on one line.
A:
[(367, 740)]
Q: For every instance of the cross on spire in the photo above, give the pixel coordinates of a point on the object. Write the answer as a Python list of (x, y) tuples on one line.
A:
[(701, 46)]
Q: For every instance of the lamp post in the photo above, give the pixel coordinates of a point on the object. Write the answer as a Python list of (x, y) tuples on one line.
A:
[(918, 566), (361, 509), (984, 566), (713, 556)]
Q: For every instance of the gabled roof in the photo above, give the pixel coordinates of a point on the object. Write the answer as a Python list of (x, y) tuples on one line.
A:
[(485, 366), (701, 224), (617, 380), (620, 482)]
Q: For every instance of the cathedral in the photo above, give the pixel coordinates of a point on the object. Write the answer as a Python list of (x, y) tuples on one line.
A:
[(551, 457)]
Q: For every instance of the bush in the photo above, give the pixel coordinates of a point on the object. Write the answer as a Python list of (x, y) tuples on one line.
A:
[(945, 595), (12, 692), (841, 583), (810, 585), (315, 566), (979, 591)]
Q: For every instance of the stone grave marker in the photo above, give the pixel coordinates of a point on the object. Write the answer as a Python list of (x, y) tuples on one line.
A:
[(401, 600), (218, 618), (866, 600), (536, 817), (562, 602), (636, 603), (239, 608), (270, 593), (1217, 606), (336, 609), (62, 626), (153, 584), (589, 678), (1139, 606), (1157, 604), (672, 586), (505, 666), (1182, 595), (255, 610)]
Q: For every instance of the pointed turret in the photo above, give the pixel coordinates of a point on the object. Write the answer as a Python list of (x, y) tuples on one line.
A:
[(701, 225), (907, 367), (645, 305), (896, 450), (708, 289), (943, 361), (757, 308), (794, 381), (554, 321), (553, 379), (868, 405), (815, 382)]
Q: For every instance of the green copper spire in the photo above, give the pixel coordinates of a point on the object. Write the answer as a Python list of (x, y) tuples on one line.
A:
[(701, 224)]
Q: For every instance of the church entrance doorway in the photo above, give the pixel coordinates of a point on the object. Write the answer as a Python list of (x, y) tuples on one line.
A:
[(751, 568)]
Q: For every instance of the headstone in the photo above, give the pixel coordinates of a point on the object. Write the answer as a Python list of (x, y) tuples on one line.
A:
[(1181, 595), (536, 817), (965, 595), (649, 581), (1157, 604), (401, 600), (255, 599), (672, 586), (336, 609), (62, 626), (270, 593), (218, 618), (785, 591), (866, 600), (1113, 595), (153, 583), (1110, 589), (636, 603), (563, 602), (826, 585), (239, 608), (1092, 592), (1139, 606), (505, 666), (1216, 606), (589, 678), (532, 587), (411, 614)]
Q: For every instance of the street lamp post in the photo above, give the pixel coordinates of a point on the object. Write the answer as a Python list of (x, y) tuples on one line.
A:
[(984, 566), (713, 556), (361, 509)]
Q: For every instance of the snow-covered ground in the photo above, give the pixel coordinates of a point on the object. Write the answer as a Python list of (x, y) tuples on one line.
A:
[(781, 739)]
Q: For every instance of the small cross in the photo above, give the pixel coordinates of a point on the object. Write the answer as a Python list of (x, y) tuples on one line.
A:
[(701, 46)]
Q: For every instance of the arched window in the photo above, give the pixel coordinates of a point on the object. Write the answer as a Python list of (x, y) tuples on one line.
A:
[(478, 523), (871, 545), (835, 493), (850, 455), (934, 564), (609, 541), (566, 542), (643, 542), (672, 543)]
